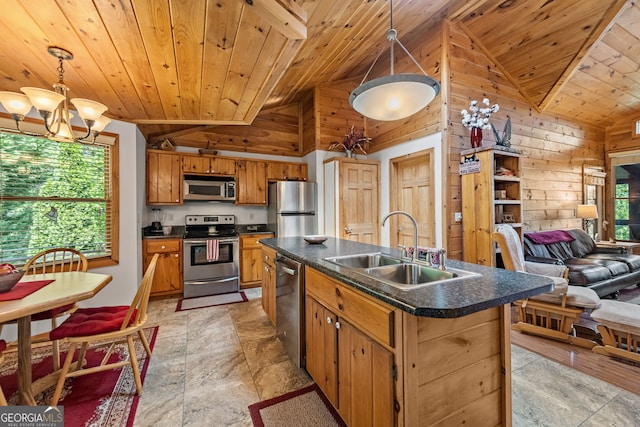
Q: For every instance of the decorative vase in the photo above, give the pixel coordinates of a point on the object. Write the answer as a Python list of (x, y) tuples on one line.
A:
[(476, 137), (349, 153)]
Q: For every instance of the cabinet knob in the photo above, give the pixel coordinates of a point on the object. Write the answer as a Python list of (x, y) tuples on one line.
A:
[(347, 230), (329, 320), (337, 325), (164, 247), (176, 255)]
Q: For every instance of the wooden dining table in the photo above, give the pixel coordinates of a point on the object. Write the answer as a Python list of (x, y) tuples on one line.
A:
[(66, 288)]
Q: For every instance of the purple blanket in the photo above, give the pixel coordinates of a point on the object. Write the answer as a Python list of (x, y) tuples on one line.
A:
[(547, 237)]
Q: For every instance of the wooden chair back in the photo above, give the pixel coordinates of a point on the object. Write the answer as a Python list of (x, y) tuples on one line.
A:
[(56, 260), (510, 247), (141, 298)]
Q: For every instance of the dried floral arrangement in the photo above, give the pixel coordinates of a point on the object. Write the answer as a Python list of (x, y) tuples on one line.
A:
[(352, 141), (477, 116)]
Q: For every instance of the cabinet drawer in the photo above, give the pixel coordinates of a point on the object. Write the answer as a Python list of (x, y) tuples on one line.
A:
[(269, 256), (154, 246), (251, 241), (369, 316)]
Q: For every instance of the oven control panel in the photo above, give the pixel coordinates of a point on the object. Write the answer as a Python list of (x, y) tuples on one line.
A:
[(209, 219)]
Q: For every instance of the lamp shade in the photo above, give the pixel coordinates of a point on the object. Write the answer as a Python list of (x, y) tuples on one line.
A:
[(394, 97), (88, 109), (15, 103), (587, 211), (42, 99), (100, 124)]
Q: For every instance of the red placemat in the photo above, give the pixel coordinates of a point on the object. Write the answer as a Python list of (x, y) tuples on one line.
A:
[(22, 289)]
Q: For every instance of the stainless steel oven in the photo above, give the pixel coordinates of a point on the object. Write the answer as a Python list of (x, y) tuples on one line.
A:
[(204, 273)]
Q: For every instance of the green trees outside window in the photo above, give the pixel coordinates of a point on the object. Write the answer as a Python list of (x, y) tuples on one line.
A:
[(53, 194)]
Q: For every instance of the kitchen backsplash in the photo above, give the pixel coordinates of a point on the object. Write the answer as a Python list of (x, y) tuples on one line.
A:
[(174, 215)]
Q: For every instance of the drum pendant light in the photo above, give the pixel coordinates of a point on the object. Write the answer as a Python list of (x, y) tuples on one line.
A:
[(395, 96)]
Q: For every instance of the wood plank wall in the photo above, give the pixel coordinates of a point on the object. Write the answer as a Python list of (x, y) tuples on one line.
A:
[(553, 149)]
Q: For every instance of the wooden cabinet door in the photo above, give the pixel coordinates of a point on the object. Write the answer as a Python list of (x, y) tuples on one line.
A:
[(296, 171), (251, 182), (367, 366), (276, 171), (359, 211), (269, 291), (195, 164), (321, 348), (222, 166), (168, 275), (164, 179)]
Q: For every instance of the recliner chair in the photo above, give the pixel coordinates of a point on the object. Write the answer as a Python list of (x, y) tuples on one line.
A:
[(552, 314)]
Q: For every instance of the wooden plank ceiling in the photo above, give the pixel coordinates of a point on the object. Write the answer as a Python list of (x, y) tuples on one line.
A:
[(188, 66)]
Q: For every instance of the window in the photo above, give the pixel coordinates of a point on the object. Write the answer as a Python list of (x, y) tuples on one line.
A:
[(57, 194), (625, 167)]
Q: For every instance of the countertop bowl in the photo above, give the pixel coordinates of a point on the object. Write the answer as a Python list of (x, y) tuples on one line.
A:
[(8, 281), (315, 239)]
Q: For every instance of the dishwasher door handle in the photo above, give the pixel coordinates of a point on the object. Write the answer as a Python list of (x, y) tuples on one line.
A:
[(289, 271)]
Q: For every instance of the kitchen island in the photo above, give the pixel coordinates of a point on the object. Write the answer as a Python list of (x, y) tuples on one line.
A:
[(434, 355)]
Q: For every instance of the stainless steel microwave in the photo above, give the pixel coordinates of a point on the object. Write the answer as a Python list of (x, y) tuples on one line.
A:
[(211, 190)]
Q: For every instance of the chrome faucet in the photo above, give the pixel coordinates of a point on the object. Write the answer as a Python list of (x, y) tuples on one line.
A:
[(414, 255)]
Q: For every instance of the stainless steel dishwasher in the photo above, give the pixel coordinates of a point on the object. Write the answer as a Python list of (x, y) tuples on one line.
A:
[(290, 307)]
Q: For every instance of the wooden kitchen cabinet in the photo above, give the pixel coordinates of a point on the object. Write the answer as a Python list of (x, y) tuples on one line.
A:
[(349, 341), (208, 165), (164, 178), (251, 259), (352, 199), (251, 182), (168, 276), (283, 171), (269, 282)]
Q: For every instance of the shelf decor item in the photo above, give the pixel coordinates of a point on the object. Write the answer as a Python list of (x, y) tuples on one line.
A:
[(352, 141), (477, 119)]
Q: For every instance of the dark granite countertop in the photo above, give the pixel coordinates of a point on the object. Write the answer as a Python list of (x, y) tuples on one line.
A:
[(455, 298), (252, 229), (177, 232)]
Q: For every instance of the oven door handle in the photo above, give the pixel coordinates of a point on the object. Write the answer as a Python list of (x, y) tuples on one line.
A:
[(203, 242)]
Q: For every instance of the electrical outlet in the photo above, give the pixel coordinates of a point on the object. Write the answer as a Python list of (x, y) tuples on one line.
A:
[(457, 217), (170, 217), (250, 216)]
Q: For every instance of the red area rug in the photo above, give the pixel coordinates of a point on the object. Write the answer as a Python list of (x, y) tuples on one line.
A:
[(102, 399), (306, 407)]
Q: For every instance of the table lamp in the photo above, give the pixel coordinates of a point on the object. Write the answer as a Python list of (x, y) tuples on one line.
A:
[(588, 213)]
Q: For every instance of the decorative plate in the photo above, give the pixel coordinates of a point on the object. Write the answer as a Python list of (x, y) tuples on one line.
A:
[(315, 239)]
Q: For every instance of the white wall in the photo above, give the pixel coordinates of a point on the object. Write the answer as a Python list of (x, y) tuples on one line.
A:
[(317, 158)]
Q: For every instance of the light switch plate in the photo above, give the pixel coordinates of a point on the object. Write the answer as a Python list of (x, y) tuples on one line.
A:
[(457, 217)]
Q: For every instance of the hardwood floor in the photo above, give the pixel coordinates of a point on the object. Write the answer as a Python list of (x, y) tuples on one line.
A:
[(614, 371)]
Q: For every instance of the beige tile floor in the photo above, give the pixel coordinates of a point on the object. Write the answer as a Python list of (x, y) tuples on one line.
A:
[(209, 365)]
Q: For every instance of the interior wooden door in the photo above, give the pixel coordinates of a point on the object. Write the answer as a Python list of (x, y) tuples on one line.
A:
[(359, 204), (412, 191)]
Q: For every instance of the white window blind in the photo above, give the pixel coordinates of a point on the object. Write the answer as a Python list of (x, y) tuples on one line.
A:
[(54, 194)]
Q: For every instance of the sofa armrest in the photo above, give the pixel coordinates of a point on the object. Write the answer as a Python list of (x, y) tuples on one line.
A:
[(544, 260), (545, 269)]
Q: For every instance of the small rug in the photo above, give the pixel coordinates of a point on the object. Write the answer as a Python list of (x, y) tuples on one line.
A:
[(306, 407), (210, 301), (99, 400)]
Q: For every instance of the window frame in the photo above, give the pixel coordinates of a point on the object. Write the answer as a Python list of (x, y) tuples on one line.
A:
[(112, 140)]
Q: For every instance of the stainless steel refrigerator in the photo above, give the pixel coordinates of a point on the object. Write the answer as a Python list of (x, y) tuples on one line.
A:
[(292, 208)]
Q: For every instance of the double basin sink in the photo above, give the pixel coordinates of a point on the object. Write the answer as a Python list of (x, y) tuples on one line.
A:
[(398, 272)]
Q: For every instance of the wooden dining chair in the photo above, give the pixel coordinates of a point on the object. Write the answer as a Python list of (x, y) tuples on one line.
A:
[(55, 260), (3, 346), (106, 326)]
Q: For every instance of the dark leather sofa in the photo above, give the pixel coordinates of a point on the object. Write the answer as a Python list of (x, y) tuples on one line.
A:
[(605, 270)]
